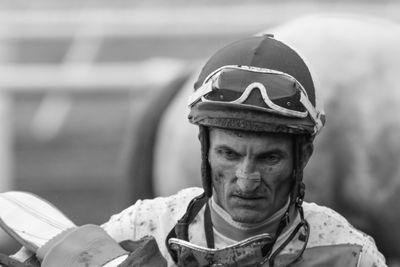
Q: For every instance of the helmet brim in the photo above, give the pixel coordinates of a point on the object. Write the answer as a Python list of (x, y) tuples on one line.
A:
[(247, 118)]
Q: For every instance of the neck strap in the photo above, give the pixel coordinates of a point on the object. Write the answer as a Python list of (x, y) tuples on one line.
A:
[(180, 230)]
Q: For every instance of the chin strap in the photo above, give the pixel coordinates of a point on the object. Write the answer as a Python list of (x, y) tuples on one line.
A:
[(296, 201), (298, 189), (302, 236), (205, 166)]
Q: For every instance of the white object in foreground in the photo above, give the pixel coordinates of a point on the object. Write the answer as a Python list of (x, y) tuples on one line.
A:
[(31, 220)]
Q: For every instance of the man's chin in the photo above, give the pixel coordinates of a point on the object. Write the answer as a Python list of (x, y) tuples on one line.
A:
[(248, 216), (249, 211)]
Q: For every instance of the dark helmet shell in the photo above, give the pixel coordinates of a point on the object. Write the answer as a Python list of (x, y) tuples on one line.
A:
[(263, 52)]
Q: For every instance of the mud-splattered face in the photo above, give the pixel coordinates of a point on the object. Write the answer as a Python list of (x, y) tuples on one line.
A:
[(251, 173)]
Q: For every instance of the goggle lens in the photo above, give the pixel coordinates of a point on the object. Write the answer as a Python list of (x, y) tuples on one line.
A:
[(240, 86)]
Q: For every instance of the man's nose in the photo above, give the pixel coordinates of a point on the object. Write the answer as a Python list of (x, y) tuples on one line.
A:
[(248, 178)]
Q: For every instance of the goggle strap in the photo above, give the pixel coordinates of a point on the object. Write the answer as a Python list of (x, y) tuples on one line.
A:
[(315, 116), (199, 93)]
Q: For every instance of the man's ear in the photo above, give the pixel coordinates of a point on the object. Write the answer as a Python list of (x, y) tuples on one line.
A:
[(307, 150)]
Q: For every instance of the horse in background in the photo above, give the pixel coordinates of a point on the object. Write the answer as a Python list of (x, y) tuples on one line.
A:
[(356, 164)]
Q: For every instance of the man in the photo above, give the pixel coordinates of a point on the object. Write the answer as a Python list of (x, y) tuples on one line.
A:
[(256, 106)]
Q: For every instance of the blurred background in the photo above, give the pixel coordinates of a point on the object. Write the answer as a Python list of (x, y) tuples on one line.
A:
[(79, 81)]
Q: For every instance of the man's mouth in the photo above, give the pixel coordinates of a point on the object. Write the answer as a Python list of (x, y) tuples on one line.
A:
[(248, 197)]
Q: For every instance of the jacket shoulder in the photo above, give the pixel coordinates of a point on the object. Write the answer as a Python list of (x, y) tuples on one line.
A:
[(329, 228), (150, 216)]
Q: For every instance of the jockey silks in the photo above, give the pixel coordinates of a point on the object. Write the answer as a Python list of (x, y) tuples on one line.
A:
[(332, 241)]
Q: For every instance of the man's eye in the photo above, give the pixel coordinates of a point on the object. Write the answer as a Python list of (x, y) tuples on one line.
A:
[(272, 158), (229, 154)]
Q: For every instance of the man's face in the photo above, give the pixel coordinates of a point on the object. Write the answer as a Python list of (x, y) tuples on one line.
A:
[(251, 173)]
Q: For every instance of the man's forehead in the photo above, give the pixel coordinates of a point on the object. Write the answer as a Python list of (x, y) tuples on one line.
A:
[(231, 133)]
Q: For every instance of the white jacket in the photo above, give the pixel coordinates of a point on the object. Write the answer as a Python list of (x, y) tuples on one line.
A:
[(332, 242)]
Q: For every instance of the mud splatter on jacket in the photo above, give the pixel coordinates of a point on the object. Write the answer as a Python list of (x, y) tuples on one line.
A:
[(332, 242)]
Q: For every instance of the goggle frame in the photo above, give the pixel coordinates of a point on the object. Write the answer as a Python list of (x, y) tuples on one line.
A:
[(212, 79)]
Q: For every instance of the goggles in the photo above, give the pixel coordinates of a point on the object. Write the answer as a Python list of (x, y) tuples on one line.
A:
[(248, 252), (253, 251), (281, 93)]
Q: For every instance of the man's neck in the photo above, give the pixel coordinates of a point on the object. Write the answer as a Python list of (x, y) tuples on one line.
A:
[(225, 225)]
